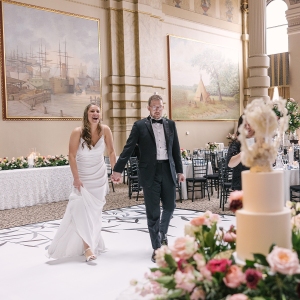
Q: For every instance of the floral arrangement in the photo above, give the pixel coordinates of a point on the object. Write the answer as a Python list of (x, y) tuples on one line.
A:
[(50, 161), (293, 114), (40, 161), (200, 265), (259, 114), (211, 146), (184, 153), (231, 136), (14, 163)]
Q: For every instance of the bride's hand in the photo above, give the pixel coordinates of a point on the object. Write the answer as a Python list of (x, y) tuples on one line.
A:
[(77, 184)]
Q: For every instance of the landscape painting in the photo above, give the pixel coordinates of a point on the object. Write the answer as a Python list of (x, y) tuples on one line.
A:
[(50, 63), (203, 80)]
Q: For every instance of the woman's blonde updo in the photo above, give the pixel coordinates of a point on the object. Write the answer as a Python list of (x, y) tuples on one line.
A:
[(86, 128)]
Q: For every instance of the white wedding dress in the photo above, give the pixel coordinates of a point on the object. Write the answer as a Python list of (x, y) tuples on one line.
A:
[(82, 219)]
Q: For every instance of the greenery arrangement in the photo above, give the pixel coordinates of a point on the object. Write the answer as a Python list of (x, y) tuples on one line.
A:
[(14, 163), (293, 113), (184, 153), (40, 161), (200, 265)]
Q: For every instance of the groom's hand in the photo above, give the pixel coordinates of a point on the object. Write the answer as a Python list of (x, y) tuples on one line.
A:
[(115, 177), (180, 177)]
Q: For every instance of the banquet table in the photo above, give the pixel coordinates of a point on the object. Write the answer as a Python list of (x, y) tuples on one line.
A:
[(291, 177), (188, 172), (27, 187)]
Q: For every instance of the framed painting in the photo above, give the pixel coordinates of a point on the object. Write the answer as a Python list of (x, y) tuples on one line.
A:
[(203, 81), (50, 63)]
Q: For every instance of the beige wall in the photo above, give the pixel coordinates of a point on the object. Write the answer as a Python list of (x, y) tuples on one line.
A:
[(51, 137)]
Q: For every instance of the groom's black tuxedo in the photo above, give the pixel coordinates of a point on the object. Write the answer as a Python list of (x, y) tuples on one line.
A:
[(158, 178)]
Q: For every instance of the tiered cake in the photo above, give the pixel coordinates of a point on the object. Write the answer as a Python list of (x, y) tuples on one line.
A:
[(264, 220)]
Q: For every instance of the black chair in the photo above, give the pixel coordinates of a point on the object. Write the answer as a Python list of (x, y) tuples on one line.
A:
[(213, 179), (133, 177), (109, 171), (295, 192), (199, 181), (178, 189), (225, 174)]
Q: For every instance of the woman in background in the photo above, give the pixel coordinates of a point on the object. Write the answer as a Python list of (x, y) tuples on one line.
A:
[(80, 230), (234, 157)]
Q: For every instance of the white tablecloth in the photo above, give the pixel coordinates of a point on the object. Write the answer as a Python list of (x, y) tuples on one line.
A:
[(188, 173), (291, 177), (27, 187)]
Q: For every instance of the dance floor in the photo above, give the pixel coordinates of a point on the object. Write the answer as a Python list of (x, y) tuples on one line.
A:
[(27, 274)]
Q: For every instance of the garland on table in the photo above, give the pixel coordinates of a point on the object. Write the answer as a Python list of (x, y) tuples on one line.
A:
[(40, 161)]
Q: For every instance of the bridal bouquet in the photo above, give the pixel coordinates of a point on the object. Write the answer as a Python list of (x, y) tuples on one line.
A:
[(200, 265)]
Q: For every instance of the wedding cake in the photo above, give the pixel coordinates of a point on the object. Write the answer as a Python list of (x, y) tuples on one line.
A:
[(264, 220)]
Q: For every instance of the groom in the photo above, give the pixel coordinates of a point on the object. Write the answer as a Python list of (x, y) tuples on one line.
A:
[(159, 162)]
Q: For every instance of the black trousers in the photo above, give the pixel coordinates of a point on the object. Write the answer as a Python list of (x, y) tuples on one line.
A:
[(163, 189)]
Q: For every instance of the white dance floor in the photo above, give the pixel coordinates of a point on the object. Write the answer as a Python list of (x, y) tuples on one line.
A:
[(27, 274)]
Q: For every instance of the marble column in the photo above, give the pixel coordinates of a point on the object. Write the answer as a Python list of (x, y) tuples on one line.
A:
[(258, 62)]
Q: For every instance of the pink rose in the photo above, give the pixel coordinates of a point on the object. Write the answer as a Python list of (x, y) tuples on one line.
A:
[(198, 294), (237, 297), (206, 273), (283, 260), (199, 221), (184, 247), (234, 277), (252, 278), (185, 281), (218, 265)]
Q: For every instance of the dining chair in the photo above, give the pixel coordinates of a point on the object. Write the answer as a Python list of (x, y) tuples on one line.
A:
[(109, 171), (133, 177), (213, 180), (199, 181), (295, 191), (225, 174)]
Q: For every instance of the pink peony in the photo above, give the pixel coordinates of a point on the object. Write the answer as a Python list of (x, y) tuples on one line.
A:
[(218, 265), (234, 277), (160, 255), (206, 273), (198, 294), (184, 247), (252, 278), (237, 297), (283, 260), (229, 237), (185, 281)]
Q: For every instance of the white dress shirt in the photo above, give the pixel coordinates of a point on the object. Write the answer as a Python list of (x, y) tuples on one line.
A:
[(160, 140)]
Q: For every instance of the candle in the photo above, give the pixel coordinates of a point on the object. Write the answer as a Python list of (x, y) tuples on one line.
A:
[(30, 160)]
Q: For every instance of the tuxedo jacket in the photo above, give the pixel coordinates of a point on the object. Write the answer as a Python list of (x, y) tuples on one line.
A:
[(143, 135)]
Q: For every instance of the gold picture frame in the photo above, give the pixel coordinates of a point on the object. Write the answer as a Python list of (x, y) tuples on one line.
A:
[(50, 63), (204, 81)]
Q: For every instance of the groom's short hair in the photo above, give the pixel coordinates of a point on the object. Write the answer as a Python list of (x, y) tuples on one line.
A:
[(155, 97)]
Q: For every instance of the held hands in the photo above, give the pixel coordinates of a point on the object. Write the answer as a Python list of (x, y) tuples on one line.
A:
[(180, 177), (115, 177)]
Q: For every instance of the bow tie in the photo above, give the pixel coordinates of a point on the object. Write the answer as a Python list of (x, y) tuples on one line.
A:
[(157, 121)]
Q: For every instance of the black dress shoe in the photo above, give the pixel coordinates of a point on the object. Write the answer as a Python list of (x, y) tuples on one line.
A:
[(163, 239), (153, 257)]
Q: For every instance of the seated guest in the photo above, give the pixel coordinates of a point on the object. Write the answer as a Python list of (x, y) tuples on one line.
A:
[(234, 157)]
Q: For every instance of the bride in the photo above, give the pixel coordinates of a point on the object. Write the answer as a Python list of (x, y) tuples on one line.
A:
[(80, 230)]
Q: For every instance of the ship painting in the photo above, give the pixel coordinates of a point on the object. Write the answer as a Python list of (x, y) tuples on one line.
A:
[(48, 74)]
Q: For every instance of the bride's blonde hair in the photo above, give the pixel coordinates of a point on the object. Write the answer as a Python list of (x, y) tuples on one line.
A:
[(86, 128)]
